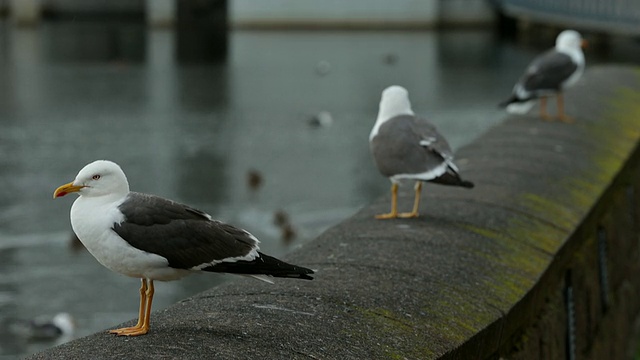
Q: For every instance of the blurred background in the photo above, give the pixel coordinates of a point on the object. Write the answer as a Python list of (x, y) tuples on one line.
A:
[(257, 112)]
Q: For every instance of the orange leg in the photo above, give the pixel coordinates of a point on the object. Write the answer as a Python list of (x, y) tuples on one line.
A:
[(543, 109), (416, 202), (394, 204), (561, 115), (142, 326)]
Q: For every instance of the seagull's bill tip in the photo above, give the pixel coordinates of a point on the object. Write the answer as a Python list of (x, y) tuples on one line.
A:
[(66, 189)]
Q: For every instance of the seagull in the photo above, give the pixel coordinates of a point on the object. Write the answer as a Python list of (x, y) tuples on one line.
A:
[(323, 119), (152, 238), (44, 328), (405, 146), (550, 73)]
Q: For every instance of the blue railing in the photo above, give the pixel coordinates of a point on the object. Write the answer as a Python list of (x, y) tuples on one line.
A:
[(610, 16)]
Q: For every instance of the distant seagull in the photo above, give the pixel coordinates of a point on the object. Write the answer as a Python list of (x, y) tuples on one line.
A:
[(44, 328), (550, 74), (322, 119), (405, 146), (323, 68), (390, 59), (152, 238)]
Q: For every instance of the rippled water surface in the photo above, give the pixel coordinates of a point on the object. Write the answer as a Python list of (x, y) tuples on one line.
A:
[(72, 92)]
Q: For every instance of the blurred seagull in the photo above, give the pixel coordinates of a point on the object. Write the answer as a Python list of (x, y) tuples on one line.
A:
[(323, 68), (280, 218), (322, 119), (44, 328), (408, 147), (549, 74), (254, 179)]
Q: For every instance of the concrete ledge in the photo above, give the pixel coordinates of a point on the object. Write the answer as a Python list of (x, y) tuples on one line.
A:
[(540, 260)]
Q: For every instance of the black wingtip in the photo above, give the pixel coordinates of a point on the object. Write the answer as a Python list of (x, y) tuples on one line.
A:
[(506, 103), (452, 178), (306, 276), (467, 184), (263, 265)]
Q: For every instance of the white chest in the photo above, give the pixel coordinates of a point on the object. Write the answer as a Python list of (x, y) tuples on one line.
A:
[(92, 221)]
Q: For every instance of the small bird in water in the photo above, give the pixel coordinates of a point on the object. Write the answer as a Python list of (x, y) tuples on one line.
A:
[(254, 180), (287, 230), (280, 218), (550, 74), (405, 146)]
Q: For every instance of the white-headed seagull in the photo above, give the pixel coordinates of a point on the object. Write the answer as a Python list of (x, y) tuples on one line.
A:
[(550, 74), (152, 238), (405, 146)]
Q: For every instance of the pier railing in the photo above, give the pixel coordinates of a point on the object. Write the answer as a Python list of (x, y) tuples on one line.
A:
[(610, 16)]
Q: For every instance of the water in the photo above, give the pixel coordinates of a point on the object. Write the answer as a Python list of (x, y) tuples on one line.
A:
[(71, 93)]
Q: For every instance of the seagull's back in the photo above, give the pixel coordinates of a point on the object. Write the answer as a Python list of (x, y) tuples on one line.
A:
[(397, 148), (190, 237), (548, 72)]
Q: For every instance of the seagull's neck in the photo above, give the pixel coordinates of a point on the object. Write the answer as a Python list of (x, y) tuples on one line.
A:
[(386, 113), (575, 53), (113, 198)]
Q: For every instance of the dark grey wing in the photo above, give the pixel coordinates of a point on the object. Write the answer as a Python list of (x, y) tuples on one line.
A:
[(434, 142), (548, 71), (431, 139), (398, 148), (185, 236)]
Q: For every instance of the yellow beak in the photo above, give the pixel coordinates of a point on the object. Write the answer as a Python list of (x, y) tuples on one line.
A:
[(66, 189)]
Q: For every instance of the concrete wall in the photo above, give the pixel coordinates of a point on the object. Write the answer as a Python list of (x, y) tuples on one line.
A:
[(298, 12), (281, 13), (538, 261)]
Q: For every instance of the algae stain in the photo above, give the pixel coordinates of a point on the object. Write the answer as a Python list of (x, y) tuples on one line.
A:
[(488, 233), (540, 235), (388, 316), (622, 120), (549, 208), (518, 252), (581, 192), (388, 325), (523, 258)]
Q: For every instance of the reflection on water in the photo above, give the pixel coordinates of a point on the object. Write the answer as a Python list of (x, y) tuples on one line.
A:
[(86, 42), (72, 93)]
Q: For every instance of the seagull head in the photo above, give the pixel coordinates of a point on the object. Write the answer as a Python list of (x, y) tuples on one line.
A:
[(65, 322), (394, 102), (98, 178), (570, 40)]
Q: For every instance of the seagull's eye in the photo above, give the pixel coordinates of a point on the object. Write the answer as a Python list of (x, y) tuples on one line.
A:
[(95, 177)]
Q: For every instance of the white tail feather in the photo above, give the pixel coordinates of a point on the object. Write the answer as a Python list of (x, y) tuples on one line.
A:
[(520, 108), (264, 278)]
